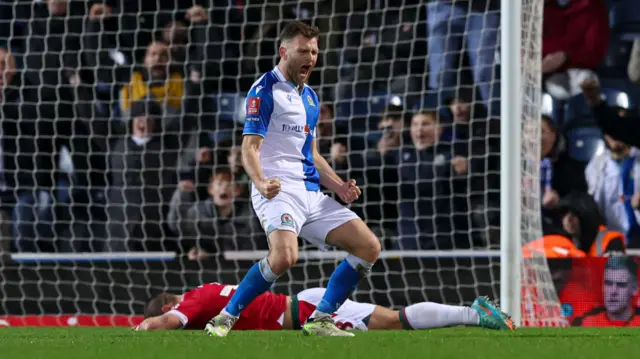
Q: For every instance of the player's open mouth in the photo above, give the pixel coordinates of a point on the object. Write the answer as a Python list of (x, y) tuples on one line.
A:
[(304, 70)]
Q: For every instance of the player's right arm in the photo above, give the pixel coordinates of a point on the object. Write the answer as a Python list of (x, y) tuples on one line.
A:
[(166, 321), (270, 187), (259, 105)]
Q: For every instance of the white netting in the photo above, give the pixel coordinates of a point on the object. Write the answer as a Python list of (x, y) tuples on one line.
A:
[(540, 304), (122, 186)]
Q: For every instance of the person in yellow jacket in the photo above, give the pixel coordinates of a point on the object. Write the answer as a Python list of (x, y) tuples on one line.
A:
[(583, 233)]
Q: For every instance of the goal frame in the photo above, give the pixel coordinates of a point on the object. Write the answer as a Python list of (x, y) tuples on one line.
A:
[(510, 156)]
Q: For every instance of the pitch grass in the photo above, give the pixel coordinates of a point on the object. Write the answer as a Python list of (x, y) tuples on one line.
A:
[(467, 343)]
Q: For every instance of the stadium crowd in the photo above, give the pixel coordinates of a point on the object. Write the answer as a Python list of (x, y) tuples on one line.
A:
[(121, 120)]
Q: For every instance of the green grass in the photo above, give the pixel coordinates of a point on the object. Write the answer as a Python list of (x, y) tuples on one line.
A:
[(467, 343)]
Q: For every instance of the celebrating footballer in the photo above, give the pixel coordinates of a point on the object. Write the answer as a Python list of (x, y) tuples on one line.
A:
[(280, 155)]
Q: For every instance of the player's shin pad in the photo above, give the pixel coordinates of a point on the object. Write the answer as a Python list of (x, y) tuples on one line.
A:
[(343, 281)]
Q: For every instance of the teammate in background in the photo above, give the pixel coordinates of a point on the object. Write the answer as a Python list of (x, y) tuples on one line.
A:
[(280, 155), (619, 286), (271, 311)]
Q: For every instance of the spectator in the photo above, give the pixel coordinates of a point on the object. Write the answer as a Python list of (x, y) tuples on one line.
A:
[(52, 63), (476, 163), (583, 223), (379, 53), (326, 129), (614, 182), (134, 23), (453, 23), (574, 42), (143, 169), (21, 184), (377, 170), (559, 173), (622, 128), (221, 222), (619, 286), (424, 211)]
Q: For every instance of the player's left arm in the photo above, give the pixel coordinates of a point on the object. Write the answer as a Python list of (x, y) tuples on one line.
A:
[(166, 321), (328, 177)]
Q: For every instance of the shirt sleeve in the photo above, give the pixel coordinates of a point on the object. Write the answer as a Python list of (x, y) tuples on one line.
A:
[(186, 311), (259, 106)]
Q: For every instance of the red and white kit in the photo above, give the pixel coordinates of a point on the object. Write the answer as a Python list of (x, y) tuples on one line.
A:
[(266, 312)]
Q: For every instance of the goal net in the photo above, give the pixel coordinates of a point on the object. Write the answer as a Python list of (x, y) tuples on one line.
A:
[(120, 147)]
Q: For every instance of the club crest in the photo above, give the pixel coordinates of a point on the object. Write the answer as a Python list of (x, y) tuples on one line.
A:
[(287, 220), (310, 100)]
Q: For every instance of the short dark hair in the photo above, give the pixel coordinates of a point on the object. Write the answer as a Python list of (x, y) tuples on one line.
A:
[(296, 28), (394, 112), (623, 262), (154, 306), (146, 107)]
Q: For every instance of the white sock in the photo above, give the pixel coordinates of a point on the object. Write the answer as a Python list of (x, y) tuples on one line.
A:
[(316, 314), (434, 315)]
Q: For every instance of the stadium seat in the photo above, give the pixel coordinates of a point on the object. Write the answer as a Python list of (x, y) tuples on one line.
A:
[(584, 142), (228, 107), (577, 112), (624, 19), (553, 108), (615, 97), (616, 59), (363, 110)]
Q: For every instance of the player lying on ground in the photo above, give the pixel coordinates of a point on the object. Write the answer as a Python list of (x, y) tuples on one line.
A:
[(280, 155), (271, 311)]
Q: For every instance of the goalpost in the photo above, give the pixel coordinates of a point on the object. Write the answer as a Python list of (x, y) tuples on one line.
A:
[(434, 227)]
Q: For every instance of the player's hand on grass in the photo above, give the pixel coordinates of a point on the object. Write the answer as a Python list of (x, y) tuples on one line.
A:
[(269, 188), (591, 91), (349, 191)]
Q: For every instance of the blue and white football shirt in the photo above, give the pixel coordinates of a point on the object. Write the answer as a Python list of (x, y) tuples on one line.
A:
[(287, 119)]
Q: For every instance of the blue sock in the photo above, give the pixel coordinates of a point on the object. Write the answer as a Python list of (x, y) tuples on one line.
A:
[(343, 281), (257, 281)]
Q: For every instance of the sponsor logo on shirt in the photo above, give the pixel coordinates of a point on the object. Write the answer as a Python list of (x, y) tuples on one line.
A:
[(294, 128), (306, 130), (253, 107)]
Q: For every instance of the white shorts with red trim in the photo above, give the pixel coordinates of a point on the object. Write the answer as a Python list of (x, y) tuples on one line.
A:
[(351, 315)]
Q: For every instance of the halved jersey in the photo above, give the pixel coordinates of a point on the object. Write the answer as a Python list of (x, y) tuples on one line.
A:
[(206, 301), (286, 118)]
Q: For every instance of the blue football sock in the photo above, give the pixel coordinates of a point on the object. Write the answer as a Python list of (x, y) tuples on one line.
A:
[(343, 281), (257, 281)]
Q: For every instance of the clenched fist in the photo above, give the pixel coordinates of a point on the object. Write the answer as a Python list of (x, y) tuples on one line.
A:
[(349, 192), (269, 188)]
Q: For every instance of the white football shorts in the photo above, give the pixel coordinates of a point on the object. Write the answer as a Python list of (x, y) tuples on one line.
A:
[(311, 215), (350, 315)]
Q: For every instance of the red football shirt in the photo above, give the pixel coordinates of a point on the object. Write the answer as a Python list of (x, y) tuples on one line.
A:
[(201, 304)]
